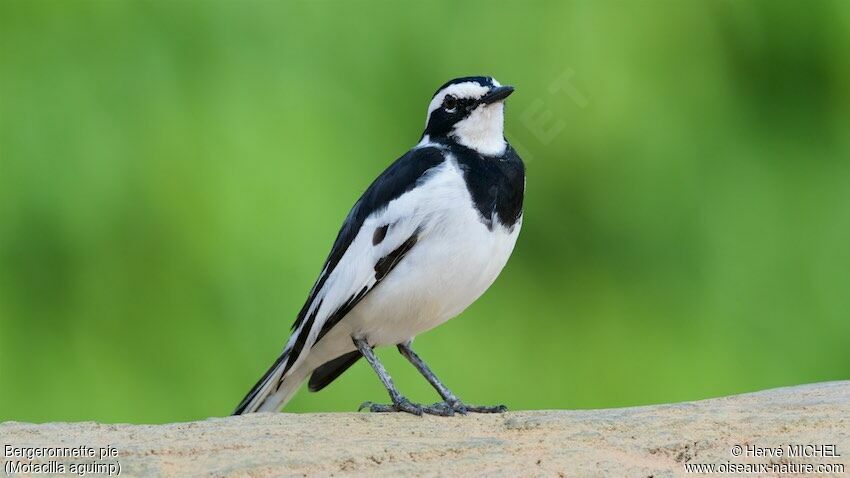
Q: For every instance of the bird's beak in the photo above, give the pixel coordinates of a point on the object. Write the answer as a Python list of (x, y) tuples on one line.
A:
[(496, 94)]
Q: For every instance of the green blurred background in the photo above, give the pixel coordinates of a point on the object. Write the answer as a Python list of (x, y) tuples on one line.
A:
[(172, 175)]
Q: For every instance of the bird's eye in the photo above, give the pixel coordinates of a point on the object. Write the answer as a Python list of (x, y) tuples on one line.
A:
[(450, 102)]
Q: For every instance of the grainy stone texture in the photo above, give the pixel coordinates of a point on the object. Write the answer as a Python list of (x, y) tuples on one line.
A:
[(637, 442)]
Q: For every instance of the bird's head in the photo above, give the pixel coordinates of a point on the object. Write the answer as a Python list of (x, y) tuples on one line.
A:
[(470, 111)]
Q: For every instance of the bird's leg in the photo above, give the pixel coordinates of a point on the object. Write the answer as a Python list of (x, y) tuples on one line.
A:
[(451, 402), (400, 402)]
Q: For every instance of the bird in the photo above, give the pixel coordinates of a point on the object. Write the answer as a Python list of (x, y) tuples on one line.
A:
[(425, 240)]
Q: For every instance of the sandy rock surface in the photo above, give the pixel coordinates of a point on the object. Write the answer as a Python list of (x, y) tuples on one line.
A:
[(647, 441)]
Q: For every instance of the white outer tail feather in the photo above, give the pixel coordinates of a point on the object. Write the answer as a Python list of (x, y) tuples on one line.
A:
[(272, 392), (275, 401)]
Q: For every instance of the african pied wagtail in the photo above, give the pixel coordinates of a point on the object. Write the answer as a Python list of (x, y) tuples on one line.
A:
[(425, 240)]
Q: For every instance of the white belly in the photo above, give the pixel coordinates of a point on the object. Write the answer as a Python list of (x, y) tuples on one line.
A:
[(432, 284), (455, 260)]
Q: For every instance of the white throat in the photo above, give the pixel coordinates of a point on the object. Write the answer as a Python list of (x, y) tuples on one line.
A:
[(483, 130)]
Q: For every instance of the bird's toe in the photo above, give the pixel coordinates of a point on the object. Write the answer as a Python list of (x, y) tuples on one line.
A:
[(402, 405), (440, 408), (487, 409), (462, 408), (406, 405)]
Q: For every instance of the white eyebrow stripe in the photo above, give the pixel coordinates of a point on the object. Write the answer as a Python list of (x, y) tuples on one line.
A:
[(467, 89)]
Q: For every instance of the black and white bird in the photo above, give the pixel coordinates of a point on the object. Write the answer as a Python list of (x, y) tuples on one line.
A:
[(425, 240)]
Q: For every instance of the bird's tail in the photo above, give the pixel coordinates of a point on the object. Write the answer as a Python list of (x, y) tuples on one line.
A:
[(273, 390)]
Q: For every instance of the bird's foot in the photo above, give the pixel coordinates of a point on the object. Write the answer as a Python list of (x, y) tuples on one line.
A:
[(405, 405), (456, 405), (444, 409)]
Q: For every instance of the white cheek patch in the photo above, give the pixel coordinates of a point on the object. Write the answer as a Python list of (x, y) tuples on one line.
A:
[(467, 89), (483, 130)]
